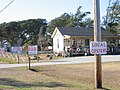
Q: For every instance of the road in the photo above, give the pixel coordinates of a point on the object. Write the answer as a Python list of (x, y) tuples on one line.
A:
[(67, 60)]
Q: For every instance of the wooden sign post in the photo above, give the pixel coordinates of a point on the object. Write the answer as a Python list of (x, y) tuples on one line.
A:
[(97, 38), (32, 50)]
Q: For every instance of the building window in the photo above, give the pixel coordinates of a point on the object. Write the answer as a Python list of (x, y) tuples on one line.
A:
[(86, 42), (58, 43)]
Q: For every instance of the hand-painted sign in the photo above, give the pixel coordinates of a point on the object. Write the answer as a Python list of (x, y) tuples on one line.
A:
[(33, 49), (16, 50), (98, 47)]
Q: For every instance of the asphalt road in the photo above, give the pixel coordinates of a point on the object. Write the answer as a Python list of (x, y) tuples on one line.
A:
[(67, 60)]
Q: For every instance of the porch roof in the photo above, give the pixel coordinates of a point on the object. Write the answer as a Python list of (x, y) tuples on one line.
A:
[(72, 31)]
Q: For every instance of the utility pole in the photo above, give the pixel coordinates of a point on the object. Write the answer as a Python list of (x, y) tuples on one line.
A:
[(97, 38)]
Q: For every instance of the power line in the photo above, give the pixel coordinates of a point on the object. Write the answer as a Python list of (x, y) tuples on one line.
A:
[(6, 6)]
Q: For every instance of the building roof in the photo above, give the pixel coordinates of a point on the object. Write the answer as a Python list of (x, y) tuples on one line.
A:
[(80, 31)]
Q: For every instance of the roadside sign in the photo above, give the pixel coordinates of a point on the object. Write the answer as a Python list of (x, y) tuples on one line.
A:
[(98, 47), (16, 50), (33, 49), (2, 50)]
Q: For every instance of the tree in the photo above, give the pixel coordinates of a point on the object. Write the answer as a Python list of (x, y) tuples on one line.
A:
[(31, 29), (112, 18), (2, 33), (79, 17), (87, 22), (11, 32), (63, 21), (43, 38), (26, 30), (69, 20)]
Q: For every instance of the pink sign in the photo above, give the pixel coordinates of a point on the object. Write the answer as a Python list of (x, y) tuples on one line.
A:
[(33, 49), (2, 50)]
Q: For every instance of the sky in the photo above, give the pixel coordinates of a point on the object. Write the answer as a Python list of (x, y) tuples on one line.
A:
[(46, 9)]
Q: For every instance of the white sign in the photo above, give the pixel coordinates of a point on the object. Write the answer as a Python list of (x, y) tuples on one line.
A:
[(2, 50), (98, 47), (33, 49), (16, 50)]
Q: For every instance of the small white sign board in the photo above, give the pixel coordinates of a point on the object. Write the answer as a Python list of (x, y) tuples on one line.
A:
[(98, 47), (16, 50), (33, 49)]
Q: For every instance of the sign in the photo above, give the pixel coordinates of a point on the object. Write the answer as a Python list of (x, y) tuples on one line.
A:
[(98, 47), (33, 49), (16, 50), (2, 50)]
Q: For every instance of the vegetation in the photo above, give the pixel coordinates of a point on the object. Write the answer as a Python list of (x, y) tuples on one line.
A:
[(7, 60), (112, 18), (26, 30), (57, 77), (43, 38), (24, 57), (60, 77), (38, 31), (71, 20)]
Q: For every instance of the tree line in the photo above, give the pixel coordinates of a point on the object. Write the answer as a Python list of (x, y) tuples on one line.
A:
[(38, 31)]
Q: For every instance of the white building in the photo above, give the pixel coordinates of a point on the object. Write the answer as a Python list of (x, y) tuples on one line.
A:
[(78, 39)]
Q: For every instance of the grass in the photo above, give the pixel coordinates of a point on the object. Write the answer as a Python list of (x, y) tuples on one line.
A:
[(59, 77), (24, 57), (7, 60)]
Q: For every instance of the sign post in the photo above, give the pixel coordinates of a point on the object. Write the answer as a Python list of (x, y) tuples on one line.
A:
[(97, 38), (17, 50), (32, 50)]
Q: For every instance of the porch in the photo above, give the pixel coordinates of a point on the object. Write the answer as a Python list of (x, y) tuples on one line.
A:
[(80, 45)]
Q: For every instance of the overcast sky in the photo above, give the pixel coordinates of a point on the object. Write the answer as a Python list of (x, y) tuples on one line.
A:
[(45, 9)]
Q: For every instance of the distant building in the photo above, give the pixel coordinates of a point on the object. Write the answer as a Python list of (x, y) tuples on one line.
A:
[(5, 44)]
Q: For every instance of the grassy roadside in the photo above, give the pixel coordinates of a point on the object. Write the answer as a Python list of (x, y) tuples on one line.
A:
[(23, 58), (60, 77), (7, 60)]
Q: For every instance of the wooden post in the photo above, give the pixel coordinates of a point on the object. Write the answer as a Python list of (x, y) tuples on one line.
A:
[(37, 57), (97, 38), (18, 58), (29, 62)]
